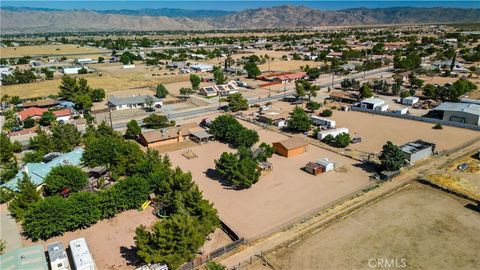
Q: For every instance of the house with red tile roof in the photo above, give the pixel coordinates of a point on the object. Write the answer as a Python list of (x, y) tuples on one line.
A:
[(33, 112)]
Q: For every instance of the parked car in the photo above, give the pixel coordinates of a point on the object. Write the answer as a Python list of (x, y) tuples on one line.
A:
[(356, 140), (463, 166)]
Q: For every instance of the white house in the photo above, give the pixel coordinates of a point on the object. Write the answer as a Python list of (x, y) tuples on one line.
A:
[(323, 122), (202, 67), (116, 103), (372, 103), (410, 100), (71, 70), (208, 91), (334, 132)]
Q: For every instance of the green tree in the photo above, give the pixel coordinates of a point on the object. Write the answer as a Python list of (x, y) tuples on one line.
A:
[(404, 94), (29, 122), (195, 80), (65, 177), (97, 94), (15, 100), (64, 137), (312, 105), (47, 119), (157, 121), (171, 241), (149, 101), (133, 130), (26, 196), (236, 102), (185, 92), (114, 152), (342, 140), (306, 88), (219, 76), (391, 157), (326, 113), (252, 69), (83, 102), (161, 91), (299, 121), (240, 173), (430, 91), (68, 87), (365, 91), (6, 149), (245, 137)]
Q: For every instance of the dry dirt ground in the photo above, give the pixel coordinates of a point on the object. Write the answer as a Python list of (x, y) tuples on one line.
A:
[(280, 197), (465, 182), (428, 228), (376, 130), (111, 241), (47, 49)]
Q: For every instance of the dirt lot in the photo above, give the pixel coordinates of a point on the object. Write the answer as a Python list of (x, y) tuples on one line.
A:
[(425, 227), (375, 130), (113, 79), (46, 49), (284, 195), (108, 240)]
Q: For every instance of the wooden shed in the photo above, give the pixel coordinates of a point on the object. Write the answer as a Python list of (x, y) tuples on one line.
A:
[(290, 147), (314, 168)]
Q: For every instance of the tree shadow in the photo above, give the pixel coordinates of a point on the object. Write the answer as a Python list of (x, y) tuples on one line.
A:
[(216, 176), (368, 167), (473, 207), (130, 255)]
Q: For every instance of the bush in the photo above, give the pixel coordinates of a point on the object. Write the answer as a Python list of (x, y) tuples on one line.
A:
[(438, 126), (326, 113)]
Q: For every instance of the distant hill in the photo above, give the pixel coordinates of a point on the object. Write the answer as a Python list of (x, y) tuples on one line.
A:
[(27, 20), (169, 12)]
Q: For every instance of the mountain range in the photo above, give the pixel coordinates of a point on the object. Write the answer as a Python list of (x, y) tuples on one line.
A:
[(34, 20)]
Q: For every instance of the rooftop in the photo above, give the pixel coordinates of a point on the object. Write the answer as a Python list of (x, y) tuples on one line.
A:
[(415, 146), (80, 253), (38, 171), (24, 258), (168, 133), (293, 143), (459, 107), (56, 251), (374, 101)]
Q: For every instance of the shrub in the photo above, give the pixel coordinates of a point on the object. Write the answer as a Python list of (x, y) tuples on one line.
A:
[(438, 126)]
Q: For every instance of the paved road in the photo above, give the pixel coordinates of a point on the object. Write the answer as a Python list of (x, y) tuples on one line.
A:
[(181, 115)]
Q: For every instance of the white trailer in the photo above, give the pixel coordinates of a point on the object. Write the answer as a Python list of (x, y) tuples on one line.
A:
[(334, 132), (82, 259), (323, 122), (402, 111), (382, 108), (58, 257)]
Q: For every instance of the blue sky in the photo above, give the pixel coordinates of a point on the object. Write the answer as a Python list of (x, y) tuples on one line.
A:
[(232, 5)]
